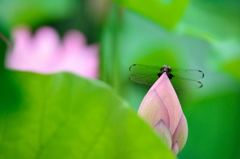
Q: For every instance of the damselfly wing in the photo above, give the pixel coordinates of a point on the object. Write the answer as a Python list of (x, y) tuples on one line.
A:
[(180, 78)]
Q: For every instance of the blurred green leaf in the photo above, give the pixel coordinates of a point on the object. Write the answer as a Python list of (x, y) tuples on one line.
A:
[(212, 20), (213, 124), (225, 57), (164, 12), (13, 12), (218, 23), (65, 116), (233, 68)]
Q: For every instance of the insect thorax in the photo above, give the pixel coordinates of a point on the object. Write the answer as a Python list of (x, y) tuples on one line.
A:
[(166, 69)]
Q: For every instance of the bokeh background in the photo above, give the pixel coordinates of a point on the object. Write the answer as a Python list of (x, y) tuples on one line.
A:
[(194, 34)]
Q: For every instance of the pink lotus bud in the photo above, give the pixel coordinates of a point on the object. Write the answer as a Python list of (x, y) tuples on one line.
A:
[(162, 110), (46, 53)]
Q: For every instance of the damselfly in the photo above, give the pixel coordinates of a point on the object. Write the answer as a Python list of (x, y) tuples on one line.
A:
[(180, 78)]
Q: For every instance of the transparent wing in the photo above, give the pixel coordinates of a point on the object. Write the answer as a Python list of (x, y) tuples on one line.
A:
[(182, 78), (190, 74), (144, 69), (144, 79), (179, 83)]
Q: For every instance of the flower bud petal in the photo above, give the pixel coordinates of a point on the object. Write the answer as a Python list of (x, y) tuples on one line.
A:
[(162, 129), (175, 148), (181, 133), (169, 97), (152, 109), (162, 110)]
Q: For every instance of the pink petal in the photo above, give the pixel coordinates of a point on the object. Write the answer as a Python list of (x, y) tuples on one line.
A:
[(45, 48), (47, 38), (17, 57), (78, 57), (181, 133), (175, 148), (152, 109), (45, 43), (169, 97), (82, 62), (22, 38), (44, 53), (163, 130), (74, 40), (36, 53)]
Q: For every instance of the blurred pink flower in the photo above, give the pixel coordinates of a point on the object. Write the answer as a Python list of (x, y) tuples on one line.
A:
[(45, 53), (162, 110)]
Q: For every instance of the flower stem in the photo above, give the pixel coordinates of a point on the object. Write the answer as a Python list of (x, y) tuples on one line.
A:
[(115, 35), (110, 71), (5, 40)]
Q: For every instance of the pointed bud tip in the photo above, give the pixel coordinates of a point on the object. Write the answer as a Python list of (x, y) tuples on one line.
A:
[(175, 148), (162, 129)]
